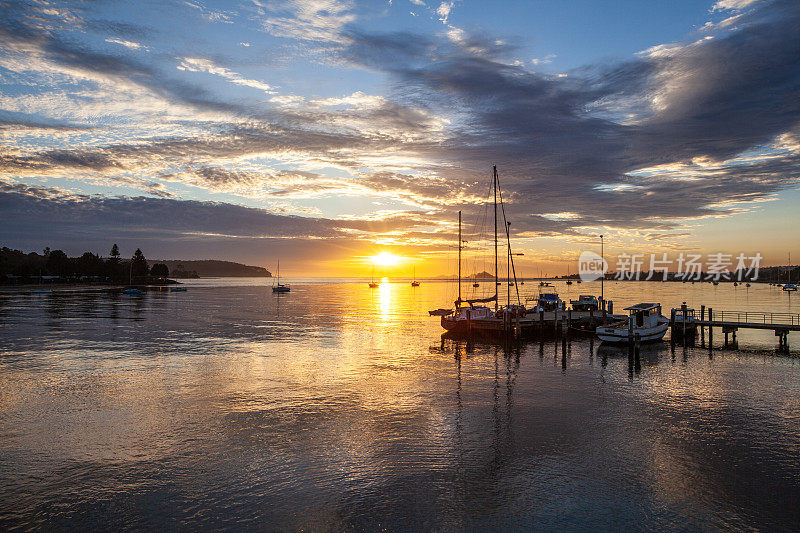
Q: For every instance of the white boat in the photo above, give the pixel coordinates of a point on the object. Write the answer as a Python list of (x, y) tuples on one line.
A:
[(280, 287), (645, 320), (585, 302)]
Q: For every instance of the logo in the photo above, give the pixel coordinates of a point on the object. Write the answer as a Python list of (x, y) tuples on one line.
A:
[(591, 266)]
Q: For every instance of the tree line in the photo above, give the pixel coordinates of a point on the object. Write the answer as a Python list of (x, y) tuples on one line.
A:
[(18, 266)]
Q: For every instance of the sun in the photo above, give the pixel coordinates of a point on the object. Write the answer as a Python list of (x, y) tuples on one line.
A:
[(385, 259)]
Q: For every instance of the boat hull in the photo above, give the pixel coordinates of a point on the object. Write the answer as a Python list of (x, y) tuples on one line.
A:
[(620, 336)]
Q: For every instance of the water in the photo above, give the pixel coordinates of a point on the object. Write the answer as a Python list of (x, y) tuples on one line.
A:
[(339, 407)]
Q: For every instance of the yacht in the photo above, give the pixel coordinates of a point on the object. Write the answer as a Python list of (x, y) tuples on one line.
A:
[(644, 320), (280, 287), (372, 284)]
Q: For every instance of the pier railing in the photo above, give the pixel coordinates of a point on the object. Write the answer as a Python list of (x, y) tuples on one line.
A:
[(756, 317)]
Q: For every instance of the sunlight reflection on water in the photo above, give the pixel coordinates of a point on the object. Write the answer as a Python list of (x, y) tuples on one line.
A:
[(338, 406)]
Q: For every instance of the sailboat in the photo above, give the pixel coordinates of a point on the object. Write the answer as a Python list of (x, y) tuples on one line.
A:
[(472, 315), (789, 287), (414, 282), (372, 284), (279, 287)]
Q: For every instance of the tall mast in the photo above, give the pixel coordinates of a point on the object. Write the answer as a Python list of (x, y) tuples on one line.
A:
[(508, 262), (459, 257), (496, 281)]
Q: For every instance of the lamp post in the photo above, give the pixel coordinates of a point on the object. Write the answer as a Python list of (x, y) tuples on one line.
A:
[(603, 278)]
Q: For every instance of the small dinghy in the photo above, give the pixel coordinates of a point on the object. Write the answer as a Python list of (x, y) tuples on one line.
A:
[(440, 312), (177, 289)]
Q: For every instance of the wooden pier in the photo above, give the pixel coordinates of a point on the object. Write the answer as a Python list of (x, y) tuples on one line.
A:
[(731, 321)]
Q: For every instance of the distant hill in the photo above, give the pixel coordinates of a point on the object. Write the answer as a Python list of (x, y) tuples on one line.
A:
[(480, 275), (211, 268)]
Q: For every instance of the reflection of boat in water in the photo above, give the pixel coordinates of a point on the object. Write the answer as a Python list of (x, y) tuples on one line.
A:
[(648, 353), (132, 291), (585, 302), (177, 289), (645, 321)]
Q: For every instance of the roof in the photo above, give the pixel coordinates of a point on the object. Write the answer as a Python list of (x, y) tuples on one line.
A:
[(642, 307)]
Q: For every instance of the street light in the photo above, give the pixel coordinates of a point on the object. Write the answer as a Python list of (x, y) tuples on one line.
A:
[(603, 278)]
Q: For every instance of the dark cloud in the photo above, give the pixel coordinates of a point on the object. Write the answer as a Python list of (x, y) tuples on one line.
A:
[(715, 99)]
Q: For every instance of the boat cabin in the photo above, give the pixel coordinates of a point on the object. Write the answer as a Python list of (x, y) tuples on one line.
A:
[(473, 312), (585, 302), (644, 315), (679, 315), (548, 302)]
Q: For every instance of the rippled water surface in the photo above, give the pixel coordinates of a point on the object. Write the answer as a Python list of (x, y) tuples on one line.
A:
[(339, 407)]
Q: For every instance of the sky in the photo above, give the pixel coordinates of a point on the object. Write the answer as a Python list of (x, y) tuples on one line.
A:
[(327, 132)]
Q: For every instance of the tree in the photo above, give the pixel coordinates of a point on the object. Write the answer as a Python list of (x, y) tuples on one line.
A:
[(114, 253), (139, 266), (159, 270), (89, 264), (58, 264)]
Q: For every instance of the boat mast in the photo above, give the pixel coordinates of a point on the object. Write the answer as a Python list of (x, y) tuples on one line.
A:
[(496, 281), (459, 257)]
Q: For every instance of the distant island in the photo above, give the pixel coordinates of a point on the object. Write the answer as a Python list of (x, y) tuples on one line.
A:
[(54, 266), (212, 268)]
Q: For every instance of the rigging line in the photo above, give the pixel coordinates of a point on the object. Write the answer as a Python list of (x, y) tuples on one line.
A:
[(508, 239)]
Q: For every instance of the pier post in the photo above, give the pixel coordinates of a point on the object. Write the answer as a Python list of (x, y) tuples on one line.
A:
[(611, 307), (710, 328), (569, 320), (672, 324), (630, 337), (591, 317), (683, 310), (702, 328)]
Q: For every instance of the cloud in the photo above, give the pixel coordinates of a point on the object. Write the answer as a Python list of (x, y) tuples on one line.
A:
[(734, 5), (196, 64), (127, 44), (444, 10), (308, 20), (681, 131)]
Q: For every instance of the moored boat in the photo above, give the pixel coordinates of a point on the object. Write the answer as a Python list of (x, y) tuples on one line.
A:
[(585, 302), (280, 287), (548, 301), (644, 321)]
